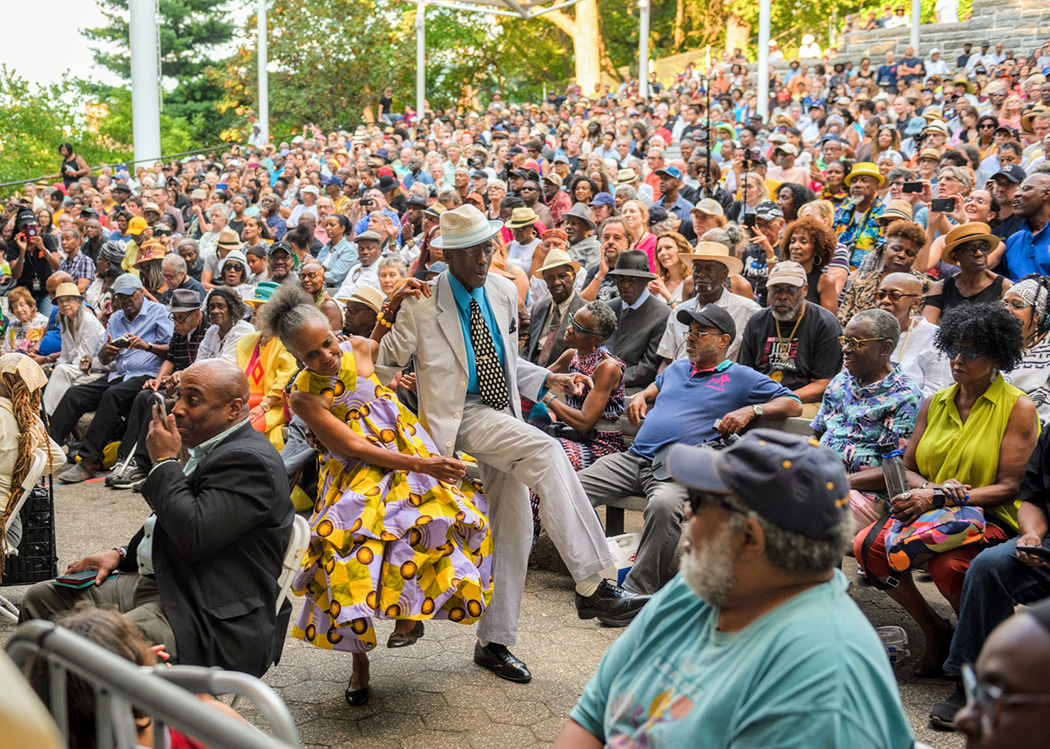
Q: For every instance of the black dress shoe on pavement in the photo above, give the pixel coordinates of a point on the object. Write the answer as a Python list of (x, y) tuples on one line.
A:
[(611, 605), (357, 697), (500, 661)]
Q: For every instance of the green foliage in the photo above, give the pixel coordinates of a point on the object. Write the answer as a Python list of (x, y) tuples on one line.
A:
[(189, 31), (96, 120)]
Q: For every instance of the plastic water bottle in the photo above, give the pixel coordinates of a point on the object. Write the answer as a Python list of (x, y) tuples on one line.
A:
[(895, 640), (895, 473)]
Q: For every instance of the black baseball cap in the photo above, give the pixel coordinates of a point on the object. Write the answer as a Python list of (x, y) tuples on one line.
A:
[(710, 315), (789, 480), (1013, 172)]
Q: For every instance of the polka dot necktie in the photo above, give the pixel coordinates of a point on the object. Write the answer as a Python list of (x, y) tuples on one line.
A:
[(491, 380)]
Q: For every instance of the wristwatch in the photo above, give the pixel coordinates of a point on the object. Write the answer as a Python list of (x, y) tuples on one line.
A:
[(758, 411), (938, 498), (264, 405)]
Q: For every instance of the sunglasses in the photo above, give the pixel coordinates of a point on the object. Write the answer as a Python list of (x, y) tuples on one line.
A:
[(579, 328), (700, 501), (986, 126), (894, 295), (967, 356), (990, 699)]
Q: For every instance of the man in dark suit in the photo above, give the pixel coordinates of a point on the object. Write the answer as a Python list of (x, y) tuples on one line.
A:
[(550, 316), (200, 576), (641, 319)]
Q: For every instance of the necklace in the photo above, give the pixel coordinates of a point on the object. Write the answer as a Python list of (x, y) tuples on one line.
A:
[(907, 338), (784, 345)]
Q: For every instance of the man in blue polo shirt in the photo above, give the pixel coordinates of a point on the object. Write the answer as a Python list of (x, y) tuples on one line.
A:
[(1028, 248), (694, 400)]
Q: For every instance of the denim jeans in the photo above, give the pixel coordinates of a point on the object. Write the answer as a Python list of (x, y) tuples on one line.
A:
[(996, 582)]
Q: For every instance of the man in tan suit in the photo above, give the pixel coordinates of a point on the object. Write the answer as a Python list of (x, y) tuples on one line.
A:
[(462, 334)]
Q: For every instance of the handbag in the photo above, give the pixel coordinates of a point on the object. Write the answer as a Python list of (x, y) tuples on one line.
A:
[(932, 533)]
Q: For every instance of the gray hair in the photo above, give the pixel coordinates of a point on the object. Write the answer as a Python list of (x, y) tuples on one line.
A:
[(189, 242), (604, 318), (883, 324), (797, 554), (287, 311), (392, 261), (627, 190), (730, 236), (174, 262), (963, 175), (219, 208), (612, 220)]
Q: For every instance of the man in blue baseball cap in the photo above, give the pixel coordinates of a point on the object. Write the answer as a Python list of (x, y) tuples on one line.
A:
[(670, 183), (756, 640), (603, 205), (695, 400)]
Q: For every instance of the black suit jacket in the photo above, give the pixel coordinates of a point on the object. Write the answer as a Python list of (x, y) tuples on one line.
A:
[(219, 541), (637, 337), (539, 322)]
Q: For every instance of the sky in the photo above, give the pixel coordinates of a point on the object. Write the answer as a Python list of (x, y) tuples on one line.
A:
[(59, 22)]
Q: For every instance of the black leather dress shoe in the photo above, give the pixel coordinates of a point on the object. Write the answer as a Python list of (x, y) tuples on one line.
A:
[(611, 605), (500, 661), (357, 697)]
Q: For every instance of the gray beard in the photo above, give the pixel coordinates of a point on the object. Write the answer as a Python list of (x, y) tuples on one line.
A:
[(708, 571), (789, 316)]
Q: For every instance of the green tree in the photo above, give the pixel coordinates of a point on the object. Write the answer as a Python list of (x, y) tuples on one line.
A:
[(190, 31)]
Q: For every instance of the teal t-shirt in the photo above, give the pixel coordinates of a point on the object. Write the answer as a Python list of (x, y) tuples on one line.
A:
[(811, 673)]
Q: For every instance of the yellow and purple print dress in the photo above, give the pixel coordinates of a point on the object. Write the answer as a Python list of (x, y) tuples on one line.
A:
[(387, 544)]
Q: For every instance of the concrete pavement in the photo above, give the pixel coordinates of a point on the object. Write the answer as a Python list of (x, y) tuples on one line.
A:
[(431, 694)]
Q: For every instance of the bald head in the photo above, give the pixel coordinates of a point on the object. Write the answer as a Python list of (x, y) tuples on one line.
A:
[(55, 279), (213, 397), (226, 378), (905, 282)]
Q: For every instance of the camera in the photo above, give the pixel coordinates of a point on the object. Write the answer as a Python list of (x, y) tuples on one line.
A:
[(942, 205), (911, 187), (123, 342), (366, 202), (31, 231)]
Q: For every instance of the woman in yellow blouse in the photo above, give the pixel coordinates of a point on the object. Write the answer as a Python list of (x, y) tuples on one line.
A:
[(970, 446), (269, 367)]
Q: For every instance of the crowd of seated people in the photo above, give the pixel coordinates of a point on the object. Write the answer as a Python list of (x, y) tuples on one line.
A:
[(878, 267)]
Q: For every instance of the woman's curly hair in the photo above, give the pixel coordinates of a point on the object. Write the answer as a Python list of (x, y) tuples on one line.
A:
[(989, 328), (820, 236)]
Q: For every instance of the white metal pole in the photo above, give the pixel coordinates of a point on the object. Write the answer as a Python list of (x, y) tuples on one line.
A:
[(421, 59), (916, 19), (763, 58), (145, 81), (264, 83), (643, 49)]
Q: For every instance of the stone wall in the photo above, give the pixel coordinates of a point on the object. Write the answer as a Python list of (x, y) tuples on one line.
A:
[(1021, 25)]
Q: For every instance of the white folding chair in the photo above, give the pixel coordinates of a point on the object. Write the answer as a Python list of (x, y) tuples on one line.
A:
[(36, 470), (293, 557)]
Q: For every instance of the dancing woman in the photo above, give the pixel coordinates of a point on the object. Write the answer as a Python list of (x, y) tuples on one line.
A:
[(396, 532)]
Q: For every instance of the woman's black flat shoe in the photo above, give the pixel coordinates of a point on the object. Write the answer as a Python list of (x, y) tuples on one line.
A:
[(398, 640), (357, 697)]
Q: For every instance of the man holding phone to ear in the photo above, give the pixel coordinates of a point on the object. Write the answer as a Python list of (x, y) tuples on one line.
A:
[(1000, 577), (200, 576)]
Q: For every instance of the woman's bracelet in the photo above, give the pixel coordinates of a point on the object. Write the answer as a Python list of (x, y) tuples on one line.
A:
[(384, 322)]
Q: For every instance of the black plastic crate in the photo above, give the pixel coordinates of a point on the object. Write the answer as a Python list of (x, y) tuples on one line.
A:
[(37, 557)]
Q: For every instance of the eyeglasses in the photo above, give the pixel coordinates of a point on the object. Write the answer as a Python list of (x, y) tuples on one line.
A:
[(698, 334), (990, 698), (894, 295), (1016, 305), (967, 355), (180, 319), (700, 501), (473, 253), (855, 343), (579, 328)]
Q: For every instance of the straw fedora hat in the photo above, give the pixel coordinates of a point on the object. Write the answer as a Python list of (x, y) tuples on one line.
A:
[(151, 250), (68, 289), (865, 169), (973, 231), (626, 177), (555, 259), (228, 240), (1029, 117), (465, 226), (520, 217), (897, 210), (719, 253)]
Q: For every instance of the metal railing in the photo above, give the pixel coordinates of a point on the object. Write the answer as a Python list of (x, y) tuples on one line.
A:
[(163, 692)]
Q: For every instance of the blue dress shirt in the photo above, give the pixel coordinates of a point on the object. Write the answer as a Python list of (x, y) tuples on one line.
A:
[(463, 298), (153, 325)]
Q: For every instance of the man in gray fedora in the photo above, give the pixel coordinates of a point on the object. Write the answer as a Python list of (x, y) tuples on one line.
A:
[(462, 333), (579, 228)]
